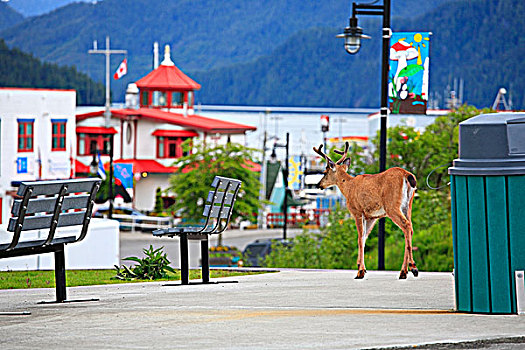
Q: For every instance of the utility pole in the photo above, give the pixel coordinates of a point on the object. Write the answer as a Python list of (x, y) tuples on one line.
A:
[(262, 190), (107, 112)]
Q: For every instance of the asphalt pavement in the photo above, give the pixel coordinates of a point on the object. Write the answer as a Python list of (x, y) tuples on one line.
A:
[(288, 309)]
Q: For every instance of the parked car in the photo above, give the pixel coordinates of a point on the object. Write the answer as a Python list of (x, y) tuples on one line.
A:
[(125, 224), (255, 252)]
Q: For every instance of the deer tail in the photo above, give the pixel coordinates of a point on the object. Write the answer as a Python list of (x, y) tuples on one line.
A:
[(412, 180)]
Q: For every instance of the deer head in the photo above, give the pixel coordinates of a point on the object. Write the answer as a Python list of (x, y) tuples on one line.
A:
[(334, 170)]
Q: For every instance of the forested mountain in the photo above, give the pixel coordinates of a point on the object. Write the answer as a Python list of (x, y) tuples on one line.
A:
[(479, 41), (204, 34), (39, 7), (8, 16), (278, 52), (18, 69)]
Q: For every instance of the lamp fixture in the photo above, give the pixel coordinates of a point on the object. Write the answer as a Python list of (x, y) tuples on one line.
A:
[(352, 36)]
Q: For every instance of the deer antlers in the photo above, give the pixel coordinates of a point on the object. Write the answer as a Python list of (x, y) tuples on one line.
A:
[(331, 163), (343, 153)]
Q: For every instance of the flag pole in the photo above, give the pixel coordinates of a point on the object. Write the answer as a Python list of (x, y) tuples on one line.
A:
[(107, 112)]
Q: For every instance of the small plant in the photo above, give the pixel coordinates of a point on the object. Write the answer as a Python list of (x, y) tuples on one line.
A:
[(152, 267)]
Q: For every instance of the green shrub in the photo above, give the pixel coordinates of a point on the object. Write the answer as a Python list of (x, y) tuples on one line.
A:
[(152, 267)]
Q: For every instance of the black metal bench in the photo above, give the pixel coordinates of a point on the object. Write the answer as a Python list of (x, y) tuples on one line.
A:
[(217, 210), (48, 205)]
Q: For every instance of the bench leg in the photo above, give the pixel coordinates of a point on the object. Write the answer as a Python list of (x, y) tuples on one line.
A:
[(184, 260), (60, 274), (205, 261)]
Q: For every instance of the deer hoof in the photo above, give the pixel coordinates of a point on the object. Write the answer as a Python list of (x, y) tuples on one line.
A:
[(360, 274), (403, 275), (413, 269)]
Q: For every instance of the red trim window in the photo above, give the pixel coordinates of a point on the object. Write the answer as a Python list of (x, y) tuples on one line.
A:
[(170, 147), (25, 135), (89, 144), (144, 98), (58, 135)]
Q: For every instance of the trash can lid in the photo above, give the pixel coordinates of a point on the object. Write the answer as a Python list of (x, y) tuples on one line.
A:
[(491, 144)]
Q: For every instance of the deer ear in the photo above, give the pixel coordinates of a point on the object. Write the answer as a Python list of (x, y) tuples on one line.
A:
[(345, 164)]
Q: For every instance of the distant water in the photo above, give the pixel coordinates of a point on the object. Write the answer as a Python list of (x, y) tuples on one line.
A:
[(303, 124)]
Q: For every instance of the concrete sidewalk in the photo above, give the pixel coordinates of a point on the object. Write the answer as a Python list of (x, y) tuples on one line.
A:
[(291, 309)]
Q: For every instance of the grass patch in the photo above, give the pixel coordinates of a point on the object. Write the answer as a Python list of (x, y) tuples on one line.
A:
[(46, 279)]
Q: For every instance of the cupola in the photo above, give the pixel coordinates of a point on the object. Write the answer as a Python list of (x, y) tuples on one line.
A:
[(167, 87)]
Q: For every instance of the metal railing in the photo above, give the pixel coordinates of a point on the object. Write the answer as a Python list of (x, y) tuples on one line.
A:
[(143, 223), (310, 217)]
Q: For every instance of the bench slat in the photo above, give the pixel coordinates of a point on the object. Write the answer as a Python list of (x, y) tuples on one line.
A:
[(53, 187), (38, 205), (219, 197), (224, 182), (36, 243), (44, 221), (215, 211)]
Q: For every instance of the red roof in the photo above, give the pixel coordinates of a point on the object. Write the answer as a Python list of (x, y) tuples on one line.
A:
[(175, 133), (139, 166), (81, 168), (167, 77), (193, 121), (95, 130), (147, 165)]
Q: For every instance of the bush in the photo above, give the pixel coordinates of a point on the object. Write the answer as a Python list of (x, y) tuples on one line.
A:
[(335, 247), (154, 266)]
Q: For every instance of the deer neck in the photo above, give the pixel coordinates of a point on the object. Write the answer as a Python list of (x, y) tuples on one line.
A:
[(344, 182)]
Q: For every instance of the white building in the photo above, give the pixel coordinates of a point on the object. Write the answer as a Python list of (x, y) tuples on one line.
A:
[(37, 138), (148, 133)]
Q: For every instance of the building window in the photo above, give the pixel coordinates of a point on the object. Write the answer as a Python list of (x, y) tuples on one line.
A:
[(144, 100), (170, 147), (58, 135), (190, 99), (159, 99), (25, 135), (89, 144), (177, 99)]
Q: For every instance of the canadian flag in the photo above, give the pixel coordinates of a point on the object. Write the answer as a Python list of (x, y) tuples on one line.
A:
[(122, 69)]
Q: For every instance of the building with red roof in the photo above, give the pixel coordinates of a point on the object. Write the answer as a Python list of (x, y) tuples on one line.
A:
[(148, 133)]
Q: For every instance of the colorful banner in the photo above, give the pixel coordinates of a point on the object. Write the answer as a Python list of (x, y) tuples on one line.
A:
[(408, 76), (295, 173), (124, 172)]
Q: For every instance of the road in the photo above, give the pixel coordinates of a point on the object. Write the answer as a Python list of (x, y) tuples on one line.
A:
[(132, 243)]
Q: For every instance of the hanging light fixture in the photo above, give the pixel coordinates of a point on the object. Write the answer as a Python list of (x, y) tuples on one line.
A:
[(352, 36)]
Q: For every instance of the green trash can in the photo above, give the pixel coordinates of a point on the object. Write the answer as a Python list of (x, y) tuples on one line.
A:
[(488, 212)]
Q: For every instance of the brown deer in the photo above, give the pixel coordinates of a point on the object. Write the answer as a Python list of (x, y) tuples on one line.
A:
[(371, 197)]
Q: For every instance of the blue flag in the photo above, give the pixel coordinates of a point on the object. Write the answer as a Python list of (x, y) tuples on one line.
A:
[(124, 172), (100, 171)]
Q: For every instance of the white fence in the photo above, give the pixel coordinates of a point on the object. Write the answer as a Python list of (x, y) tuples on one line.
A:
[(142, 223)]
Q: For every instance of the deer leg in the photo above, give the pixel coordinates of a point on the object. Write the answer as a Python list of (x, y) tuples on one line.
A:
[(404, 224), (360, 249), (408, 215), (368, 225), (411, 263)]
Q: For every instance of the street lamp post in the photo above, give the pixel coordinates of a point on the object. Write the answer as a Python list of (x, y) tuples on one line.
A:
[(352, 36), (286, 170)]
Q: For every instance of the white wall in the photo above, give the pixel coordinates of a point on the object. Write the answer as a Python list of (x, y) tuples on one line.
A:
[(42, 105), (99, 250), (146, 188)]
